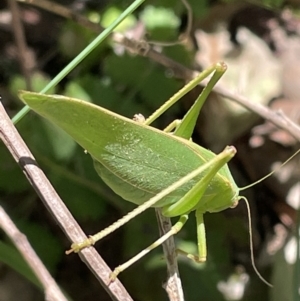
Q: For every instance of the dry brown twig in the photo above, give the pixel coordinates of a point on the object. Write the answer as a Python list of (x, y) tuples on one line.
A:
[(55, 205), (22, 51)]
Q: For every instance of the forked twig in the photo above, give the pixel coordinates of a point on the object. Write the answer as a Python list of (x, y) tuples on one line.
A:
[(55, 205)]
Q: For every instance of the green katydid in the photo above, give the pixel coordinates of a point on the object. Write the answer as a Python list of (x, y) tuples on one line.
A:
[(146, 166)]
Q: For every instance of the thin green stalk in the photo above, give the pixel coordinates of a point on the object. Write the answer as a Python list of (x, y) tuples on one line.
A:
[(99, 39)]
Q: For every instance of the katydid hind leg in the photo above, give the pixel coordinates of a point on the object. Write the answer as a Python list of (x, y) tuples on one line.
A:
[(218, 70), (187, 125)]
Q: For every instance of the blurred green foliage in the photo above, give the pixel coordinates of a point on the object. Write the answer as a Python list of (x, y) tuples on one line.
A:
[(125, 84)]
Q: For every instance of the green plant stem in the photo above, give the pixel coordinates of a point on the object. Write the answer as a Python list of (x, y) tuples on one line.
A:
[(83, 54)]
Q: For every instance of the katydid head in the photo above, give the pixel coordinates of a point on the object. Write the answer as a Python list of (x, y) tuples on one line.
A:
[(213, 190)]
